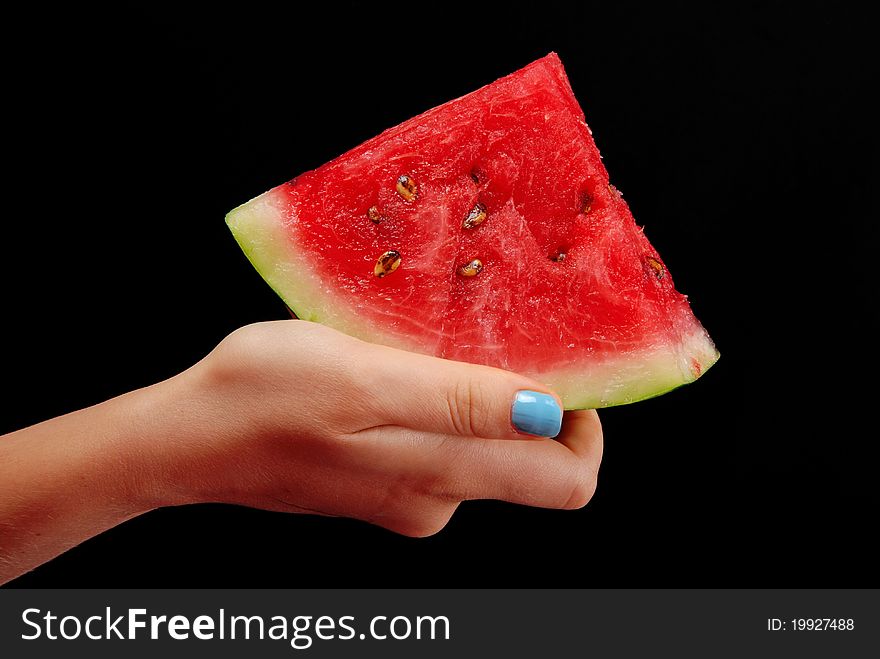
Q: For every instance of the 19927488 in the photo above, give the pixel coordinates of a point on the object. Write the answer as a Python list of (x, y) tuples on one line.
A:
[(810, 624)]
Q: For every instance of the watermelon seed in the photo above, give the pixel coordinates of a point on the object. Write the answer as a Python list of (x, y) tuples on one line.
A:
[(471, 269), (559, 257), (387, 263), (475, 217), (658, 268), (406, 187), (586, 202), (374, 215)]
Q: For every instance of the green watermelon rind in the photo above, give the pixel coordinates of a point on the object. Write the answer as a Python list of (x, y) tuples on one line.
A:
[(702, 351), (262, 228)]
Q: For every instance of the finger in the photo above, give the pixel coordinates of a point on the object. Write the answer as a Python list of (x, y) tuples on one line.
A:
[(544, 473), (456, 398), (582, 435)]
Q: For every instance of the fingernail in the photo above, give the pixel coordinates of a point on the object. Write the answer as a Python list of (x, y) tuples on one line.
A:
[(535, 413)]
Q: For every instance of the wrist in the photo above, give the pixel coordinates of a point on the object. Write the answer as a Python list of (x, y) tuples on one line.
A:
[(182, 430), (165, 426)]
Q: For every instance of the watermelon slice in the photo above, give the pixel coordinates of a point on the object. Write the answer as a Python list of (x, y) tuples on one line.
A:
[(484, 230)]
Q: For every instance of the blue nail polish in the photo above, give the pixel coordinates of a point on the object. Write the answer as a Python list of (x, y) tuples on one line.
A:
[(535, 413)]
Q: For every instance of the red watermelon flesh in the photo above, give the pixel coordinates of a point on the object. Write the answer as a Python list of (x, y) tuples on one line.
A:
[(380, 243)]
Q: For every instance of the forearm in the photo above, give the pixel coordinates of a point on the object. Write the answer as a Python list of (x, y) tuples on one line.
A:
[(73, 477)]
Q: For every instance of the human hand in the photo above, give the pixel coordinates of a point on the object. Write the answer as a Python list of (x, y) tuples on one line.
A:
[(296, 417)]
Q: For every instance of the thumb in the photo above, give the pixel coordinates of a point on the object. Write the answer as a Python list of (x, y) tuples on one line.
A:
[(457, 398)]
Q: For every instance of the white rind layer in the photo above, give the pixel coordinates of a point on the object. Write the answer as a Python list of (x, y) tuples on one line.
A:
[(262, 229)]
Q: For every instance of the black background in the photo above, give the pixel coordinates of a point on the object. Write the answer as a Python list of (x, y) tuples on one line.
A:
[(741, 138)]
